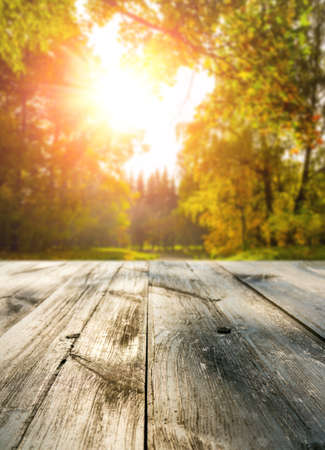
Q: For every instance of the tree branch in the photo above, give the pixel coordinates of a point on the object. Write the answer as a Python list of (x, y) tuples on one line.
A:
[(173, 33)]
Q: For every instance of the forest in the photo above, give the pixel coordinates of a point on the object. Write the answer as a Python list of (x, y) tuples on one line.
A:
[(251, 169)]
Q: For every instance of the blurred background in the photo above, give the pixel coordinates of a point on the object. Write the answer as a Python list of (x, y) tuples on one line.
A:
[(152, 129)]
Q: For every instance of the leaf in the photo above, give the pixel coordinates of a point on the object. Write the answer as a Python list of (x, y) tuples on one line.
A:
[(304, 19)]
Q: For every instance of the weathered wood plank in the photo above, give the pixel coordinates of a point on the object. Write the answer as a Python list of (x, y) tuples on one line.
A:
[(23, 286), (33, 351), (293, 356), (296, 287), (211, 390), (98, 399), (73, 369), (169, 275)]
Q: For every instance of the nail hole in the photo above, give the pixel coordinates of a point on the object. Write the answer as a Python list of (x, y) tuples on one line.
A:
[(223, 330), (73, 336)]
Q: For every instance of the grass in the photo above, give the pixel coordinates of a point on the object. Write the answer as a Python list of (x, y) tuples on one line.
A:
[(179, 252), (279, 253), (182, 252), (96, 253), (257, 254)]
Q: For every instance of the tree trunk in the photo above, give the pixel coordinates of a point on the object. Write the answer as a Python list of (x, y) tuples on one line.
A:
[(304, 181), (15, 225), (23, 112), (315, 68), (268, 192), (243, 227)]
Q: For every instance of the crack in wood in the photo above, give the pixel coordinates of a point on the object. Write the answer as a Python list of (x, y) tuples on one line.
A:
[(146, 375), (183, 292), (36, 269), (100, 300), (134, 269), (246, 283), (126, 295), (199, 280), (217, 359), (112, 377), (89, 365), (45, 392), (210, 384), (256, 277), (30, 300), (59, 367)]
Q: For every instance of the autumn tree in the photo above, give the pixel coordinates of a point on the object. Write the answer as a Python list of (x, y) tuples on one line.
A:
[(32, 26), (60, 177), (267, 54), (155, 217), (267, 59), (243, 188)]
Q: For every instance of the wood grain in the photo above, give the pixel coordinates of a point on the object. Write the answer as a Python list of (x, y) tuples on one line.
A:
[(296, 287), (163, 355), (24, 285), (169, 275), (293, 356), (98, 399), (218, 391), (33, 351)]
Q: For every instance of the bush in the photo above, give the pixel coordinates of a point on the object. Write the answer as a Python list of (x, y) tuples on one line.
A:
[(286, 228)]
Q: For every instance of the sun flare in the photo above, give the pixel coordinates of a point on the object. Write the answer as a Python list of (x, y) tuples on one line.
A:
[(124, 100), (118, 91), (122, 97)]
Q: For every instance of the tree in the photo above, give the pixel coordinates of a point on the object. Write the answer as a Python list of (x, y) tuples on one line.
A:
[(311, 83), (241, 182), (267, 55), (60, 183), (155, 217), (33, 26)]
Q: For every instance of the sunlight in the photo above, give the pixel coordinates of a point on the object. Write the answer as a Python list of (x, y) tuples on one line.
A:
[(126, 100), (121, 95)]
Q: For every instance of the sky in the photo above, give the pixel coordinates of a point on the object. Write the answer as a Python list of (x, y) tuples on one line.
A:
[(130, 104)]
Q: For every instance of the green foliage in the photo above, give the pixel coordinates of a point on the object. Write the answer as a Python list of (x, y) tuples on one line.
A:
[(242, 188), (279, 253), (305, 228), (154, 217), (60, 178), (96, 253), (252, 162), (32, 25), (266, 57)]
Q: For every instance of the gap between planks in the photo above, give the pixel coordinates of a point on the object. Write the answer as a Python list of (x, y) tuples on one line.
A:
[(266, 358), (284, 310), (32, 351), (262, 283), (74, 339), (149, 348), (118, 428)]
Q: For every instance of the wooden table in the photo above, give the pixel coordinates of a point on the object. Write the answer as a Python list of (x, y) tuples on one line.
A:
[(162, 355)]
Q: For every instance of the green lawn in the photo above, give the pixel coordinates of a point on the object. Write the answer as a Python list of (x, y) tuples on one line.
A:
[(181, 252), (280, 253), (99, 253), (258, 254)]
